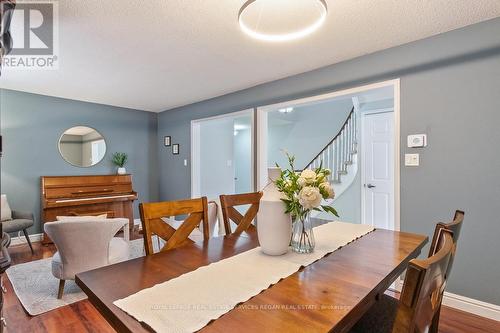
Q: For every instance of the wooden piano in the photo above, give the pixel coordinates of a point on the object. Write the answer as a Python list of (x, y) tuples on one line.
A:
[(86, 195)]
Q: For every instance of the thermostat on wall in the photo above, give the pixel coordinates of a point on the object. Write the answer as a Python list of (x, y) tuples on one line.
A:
[(417, 141)]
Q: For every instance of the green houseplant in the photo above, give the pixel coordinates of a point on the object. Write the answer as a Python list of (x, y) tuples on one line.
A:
[(120, 159)]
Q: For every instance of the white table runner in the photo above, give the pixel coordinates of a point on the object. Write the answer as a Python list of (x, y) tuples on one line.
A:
[(189, 302)]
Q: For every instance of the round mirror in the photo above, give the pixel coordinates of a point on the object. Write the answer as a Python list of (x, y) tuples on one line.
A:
[(82, 146)]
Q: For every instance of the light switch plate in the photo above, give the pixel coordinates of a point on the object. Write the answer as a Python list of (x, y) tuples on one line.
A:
[(412, 159), (417, 141)]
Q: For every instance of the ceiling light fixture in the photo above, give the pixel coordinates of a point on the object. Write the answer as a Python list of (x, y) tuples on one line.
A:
[(281, 20), (286, 110)]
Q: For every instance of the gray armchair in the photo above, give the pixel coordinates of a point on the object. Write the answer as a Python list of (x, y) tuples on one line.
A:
[(86, 244), (20, 221)]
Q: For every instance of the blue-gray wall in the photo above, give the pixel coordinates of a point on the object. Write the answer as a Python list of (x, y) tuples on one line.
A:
[(31, 126), (450, 89)]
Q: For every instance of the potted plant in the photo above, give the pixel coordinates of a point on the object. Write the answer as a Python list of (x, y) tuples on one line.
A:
[(119, 159), (303, 193)]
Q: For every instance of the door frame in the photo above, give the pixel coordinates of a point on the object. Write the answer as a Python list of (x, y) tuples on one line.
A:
[(261, 134), (195, 146), (362, 164)]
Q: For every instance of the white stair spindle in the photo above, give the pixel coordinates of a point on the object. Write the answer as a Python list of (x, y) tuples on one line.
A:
[(345, 150), (335, 159), (349, 140)]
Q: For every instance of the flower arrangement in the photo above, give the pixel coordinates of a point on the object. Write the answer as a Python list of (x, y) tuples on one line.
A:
[(304, 192)]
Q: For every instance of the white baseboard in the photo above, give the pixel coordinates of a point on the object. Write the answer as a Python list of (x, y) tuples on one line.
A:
[(474, 306), (471, 305), (15, 240), (18, 240)]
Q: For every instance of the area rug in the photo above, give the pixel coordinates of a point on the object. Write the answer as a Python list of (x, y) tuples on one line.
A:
[(36, 287)]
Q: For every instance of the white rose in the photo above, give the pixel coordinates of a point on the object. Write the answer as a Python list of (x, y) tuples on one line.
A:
[(310, 197), (301, 181), (308, 175), (328, 189)]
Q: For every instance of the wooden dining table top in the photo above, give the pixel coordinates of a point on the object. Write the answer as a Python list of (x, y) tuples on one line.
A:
[(329, 295)]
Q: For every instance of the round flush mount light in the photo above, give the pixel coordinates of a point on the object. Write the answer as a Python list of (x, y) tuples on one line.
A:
[(281, 20), (286, 110)]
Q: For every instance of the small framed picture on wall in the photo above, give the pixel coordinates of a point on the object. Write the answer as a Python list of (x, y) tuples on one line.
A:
[(167, 141), (175, 149)]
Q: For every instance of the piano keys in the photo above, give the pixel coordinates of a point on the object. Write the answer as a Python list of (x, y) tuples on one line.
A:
[(112, 195)]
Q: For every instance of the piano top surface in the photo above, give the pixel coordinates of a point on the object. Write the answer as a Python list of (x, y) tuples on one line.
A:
[(57, 188)]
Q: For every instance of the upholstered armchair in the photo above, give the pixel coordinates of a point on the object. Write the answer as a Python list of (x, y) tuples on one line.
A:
[(20, 221), (85, 245)]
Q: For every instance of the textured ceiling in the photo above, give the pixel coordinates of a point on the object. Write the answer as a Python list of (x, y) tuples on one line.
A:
[(155, 55)]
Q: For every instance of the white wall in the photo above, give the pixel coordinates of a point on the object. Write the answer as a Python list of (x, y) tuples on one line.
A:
[(243, 161), (216, 157), (305, 131)]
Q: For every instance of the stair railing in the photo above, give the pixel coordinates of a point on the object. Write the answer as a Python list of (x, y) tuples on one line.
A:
[(338, 153)]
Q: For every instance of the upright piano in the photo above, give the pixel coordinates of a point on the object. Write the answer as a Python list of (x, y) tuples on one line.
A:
[(86, 196)]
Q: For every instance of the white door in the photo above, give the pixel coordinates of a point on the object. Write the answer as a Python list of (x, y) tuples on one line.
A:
[(378, 164)]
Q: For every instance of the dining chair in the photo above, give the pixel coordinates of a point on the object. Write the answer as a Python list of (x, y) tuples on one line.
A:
[(197, 234), (455, 226), (85, 244), (229, 213), (152, 215), (420, 298)]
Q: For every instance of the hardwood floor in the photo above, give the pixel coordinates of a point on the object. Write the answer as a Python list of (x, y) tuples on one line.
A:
[(83, 317)]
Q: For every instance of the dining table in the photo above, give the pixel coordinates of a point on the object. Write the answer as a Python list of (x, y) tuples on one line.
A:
[(329, 295)]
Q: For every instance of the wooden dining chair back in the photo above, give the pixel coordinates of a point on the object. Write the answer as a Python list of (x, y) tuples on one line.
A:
[(423, 288), (153, 224), (455, 226), (229, 213)]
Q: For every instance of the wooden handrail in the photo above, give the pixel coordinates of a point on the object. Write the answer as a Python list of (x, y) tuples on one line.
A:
[(334, 138)]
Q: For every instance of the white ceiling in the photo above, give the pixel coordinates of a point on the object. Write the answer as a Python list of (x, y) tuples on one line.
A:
[(155, 55)]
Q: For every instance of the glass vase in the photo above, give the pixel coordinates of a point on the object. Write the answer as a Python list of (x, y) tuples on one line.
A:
[(303, 235)]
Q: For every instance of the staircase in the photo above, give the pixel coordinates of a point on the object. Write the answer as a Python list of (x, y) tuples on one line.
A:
[(340, 156)]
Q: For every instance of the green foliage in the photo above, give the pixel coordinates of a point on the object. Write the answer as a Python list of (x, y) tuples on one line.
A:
[(291, 183), (119, 159)]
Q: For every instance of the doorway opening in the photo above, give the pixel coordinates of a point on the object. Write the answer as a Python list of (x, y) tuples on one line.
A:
[(222, 155), (355, 133)]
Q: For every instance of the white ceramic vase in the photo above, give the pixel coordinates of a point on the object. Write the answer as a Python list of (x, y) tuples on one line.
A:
[(122, 171), (274, 227)]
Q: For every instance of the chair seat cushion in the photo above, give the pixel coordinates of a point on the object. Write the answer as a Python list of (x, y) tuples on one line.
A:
[(379, 318), (118, 251), (16, 225)]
